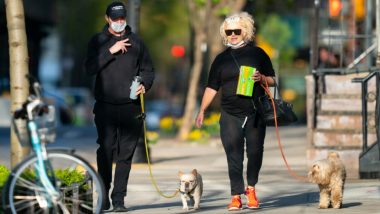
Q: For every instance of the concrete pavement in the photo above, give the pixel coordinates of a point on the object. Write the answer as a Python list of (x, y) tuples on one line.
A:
[(277, 190)]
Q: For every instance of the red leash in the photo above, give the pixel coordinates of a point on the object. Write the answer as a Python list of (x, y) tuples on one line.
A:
[(292, 173)]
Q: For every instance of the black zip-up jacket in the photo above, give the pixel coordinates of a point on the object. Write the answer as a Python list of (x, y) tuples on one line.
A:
[(115, 72)]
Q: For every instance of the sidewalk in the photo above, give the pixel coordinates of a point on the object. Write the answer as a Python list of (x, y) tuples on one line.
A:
[(277, 190)]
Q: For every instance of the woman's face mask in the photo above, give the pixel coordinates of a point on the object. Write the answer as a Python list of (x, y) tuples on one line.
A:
[(238, 45), (118, 27)]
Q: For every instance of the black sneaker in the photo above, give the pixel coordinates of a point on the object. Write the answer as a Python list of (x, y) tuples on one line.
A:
[(119, 207), (106, 204)]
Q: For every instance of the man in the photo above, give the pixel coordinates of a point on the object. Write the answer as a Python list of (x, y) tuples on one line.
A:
[(116, 55)]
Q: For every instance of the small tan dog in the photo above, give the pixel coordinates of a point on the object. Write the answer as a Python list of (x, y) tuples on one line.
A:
[(191, 188), (330, 175)]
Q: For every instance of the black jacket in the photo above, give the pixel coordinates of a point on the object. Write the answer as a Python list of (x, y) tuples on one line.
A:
[(115, 72)]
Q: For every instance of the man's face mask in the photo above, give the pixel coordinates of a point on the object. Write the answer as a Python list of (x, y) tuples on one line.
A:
[(118, 26)]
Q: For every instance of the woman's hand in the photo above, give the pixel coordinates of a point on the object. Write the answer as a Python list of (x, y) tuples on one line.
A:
[(208, 96), (199, 120), (257, 76)]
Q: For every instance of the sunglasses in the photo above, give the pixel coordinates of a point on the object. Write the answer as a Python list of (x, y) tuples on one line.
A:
[(237, 32)]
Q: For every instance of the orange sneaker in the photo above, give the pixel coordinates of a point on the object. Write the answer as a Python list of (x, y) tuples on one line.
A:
[(252, 201), (235, 203)]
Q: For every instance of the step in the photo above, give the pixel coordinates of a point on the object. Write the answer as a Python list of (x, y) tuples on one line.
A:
[(344, 120), (340, 84), (349, 110), (341, 139), (343, 102)]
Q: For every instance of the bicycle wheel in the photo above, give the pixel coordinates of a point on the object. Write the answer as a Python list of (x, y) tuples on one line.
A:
[(81, 189)]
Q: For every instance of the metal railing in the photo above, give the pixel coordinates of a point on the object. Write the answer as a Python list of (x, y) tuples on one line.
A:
[(364, 94)]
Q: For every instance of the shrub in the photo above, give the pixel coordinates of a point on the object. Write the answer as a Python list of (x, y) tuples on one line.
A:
[(152, 137), (211, 124), (199, 136), (69, 176), (66, 176), (168, 126), (4, 173)]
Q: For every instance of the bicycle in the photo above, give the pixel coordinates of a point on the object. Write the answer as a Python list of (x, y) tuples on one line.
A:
[(34, 185)]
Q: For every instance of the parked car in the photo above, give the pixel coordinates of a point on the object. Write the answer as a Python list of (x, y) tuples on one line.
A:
[(5, 112), (64, 114), (81, 102), (74, 105), (157, 109)]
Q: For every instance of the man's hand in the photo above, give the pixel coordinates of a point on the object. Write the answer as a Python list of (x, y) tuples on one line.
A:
[(140, 89), (120, 46)]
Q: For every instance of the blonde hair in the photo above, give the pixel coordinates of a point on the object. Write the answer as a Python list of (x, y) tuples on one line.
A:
[(247, 23)]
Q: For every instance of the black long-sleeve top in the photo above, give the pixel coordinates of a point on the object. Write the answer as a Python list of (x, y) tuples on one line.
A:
[(224, 74), (115, 72)]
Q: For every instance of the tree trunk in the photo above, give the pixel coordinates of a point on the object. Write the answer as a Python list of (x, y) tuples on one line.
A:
[(19, 60), (197, 16), (205, 23), (191, 99)]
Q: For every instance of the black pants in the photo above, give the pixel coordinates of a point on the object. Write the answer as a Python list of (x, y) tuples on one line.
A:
[(235, 132), (119, 128)]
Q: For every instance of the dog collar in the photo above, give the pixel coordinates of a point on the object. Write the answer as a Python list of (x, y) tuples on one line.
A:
[(187, 193)]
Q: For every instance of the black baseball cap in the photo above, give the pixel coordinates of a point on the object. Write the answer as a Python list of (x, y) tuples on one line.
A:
[(116, 10)]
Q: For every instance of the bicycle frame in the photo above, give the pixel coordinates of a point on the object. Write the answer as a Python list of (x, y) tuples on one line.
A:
[(41, 154), (39, 148)]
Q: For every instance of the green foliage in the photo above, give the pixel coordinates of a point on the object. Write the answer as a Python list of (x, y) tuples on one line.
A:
[(69, 176), (286, 56), (79, 20), (261, 9), (278, 34), (224, 11), (4, 173), (28, 174), (163, 24), (200, 3)]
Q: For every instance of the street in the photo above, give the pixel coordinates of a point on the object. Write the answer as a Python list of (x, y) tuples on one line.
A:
[(277, 190)]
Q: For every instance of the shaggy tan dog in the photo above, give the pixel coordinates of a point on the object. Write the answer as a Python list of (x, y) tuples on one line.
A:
[(330, 175)]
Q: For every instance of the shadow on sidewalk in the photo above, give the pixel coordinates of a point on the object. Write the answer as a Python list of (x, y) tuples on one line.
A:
[(177, 206), (160, 160), (290, 200), (305, 199)]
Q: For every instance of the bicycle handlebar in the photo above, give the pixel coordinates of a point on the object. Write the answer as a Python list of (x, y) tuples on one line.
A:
[(35, 85), (34, 105)]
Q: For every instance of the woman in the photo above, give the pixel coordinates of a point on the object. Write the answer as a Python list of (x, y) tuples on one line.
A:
[(239, 122)]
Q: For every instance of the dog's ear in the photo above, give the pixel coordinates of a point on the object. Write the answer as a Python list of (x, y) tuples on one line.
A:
[(315, 168), (194, 172), (333, 155), (180, 173)]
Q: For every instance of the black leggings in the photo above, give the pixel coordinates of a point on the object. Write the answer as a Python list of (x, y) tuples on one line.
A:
[(233, 137)]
